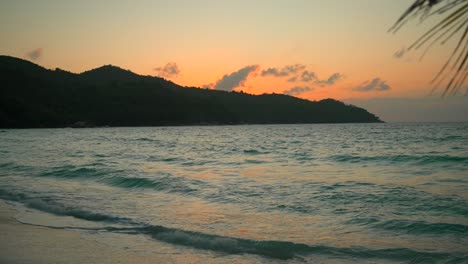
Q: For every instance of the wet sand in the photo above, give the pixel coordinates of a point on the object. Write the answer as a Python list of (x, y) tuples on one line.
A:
[(25, 243)]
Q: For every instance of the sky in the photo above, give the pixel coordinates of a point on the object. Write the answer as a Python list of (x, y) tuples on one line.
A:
[(312, 49)]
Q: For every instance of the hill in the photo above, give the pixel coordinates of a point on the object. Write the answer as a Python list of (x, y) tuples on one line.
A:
[(32, 96)]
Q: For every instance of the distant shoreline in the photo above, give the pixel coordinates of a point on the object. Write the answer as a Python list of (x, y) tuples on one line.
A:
[(198, 125), (33, 97)]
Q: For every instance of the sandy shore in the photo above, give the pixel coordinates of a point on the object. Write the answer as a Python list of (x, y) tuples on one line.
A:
[(24, 243)]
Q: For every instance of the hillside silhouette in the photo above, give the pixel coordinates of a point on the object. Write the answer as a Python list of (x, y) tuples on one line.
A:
[(32, 96)]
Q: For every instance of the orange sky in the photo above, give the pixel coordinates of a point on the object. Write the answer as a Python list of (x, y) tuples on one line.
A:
[(210, 42)]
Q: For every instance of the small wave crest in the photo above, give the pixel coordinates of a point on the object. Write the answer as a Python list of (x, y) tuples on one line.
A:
[(395, 198), (254, 152), (145, 139), (447, 138), (118, 178), (6, 164), (421, 160), (10, 168), (52, 207), (71, 171), (283, 250), (422, 227), (161, 183), (412, 227)]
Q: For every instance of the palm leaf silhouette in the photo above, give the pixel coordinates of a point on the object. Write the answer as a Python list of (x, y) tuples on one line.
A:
[(454, 22)]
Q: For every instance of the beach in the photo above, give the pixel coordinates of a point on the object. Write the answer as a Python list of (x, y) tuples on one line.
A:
[(26, 243), (23, 243)]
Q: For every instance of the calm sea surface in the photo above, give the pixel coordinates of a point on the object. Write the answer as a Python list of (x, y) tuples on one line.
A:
[(347, 193)]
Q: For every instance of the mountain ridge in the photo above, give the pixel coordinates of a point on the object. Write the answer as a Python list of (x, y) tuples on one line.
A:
[(33, 96)]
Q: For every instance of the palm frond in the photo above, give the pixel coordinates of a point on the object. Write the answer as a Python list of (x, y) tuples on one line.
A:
[(454, 23)]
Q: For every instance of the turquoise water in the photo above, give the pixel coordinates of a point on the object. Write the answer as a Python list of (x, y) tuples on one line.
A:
[(354, 193)]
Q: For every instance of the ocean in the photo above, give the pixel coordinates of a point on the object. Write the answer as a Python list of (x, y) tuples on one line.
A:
[(315, 193)]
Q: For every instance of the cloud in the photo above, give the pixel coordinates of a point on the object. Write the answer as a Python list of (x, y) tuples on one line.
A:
[(400, 53), (331, 80), (285, 71), (294, 73), (298, 72), (375, 85), (208, 86), (35, 54), (235, 79), (169, 70), (297, 90), (308, 76)]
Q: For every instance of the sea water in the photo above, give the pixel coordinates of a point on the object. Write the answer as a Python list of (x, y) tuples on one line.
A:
[(326, 193)]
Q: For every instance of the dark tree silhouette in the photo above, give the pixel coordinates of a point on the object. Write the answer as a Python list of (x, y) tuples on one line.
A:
[(453, 23), (32, 96)]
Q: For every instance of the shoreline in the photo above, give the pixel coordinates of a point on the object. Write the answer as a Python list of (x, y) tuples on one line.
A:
[(34, 244), (24, 243)]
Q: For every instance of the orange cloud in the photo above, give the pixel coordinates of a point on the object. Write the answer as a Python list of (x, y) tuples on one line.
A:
[(34, 54), (235, 79)]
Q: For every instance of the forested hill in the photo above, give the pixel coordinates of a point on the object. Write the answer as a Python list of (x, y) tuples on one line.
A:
[(32, 96)]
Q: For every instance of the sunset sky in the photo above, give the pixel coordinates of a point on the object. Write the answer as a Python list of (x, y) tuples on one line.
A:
[(310, 49)]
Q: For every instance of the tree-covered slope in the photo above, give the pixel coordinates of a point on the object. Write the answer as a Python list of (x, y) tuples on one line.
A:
[(32, 96)]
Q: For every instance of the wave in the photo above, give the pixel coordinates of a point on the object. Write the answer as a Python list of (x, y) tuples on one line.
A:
[(275, 249), (420, 160), (446, 138), (71, 171), (412, 227), (422, 227), (254, 152), (274, 197), (145, 139), (117, 178), (171, 159), (283, 250), (7, 165), (162, 183), (252, 161), (52, 207), (12, 168), (99, 155), (348, 195), (395, 198)]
